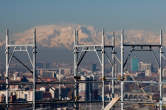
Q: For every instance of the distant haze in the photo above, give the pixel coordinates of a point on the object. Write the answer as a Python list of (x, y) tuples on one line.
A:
[(55, 42), (63, 36)]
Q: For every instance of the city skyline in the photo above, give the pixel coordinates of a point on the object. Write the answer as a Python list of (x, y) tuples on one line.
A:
[(82, 55)]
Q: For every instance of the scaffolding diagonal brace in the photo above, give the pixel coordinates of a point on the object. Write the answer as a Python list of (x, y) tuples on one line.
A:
[(81, 57), (23, 64)]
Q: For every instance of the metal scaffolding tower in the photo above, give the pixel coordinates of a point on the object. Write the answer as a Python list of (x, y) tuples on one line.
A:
[(11, 49), (80, 50), (79, 53), (141, 47)]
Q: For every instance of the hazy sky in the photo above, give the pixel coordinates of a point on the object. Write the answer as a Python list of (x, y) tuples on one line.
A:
[(19, 15)]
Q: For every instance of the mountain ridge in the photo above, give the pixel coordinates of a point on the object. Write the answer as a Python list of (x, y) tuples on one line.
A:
[(63, 36), (55, 42)]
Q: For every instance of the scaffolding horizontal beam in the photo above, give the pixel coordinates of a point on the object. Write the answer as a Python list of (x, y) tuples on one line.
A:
[(55, 82), (148, 82), (25, 45), (93, 46), (79, 81), (72, 101), (141, 45), (49, 102)]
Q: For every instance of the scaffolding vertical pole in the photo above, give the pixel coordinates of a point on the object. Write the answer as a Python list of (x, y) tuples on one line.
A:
[(76, 91), (59, 84), (113, 66), (7, 69), (34, 70), (122, 56), (160, 77), (102, 67)]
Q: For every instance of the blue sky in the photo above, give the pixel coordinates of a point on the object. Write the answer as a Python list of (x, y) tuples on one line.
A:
[(20, 15)]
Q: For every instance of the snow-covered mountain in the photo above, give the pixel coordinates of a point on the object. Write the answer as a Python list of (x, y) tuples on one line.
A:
[(63, 36), (56, 41)]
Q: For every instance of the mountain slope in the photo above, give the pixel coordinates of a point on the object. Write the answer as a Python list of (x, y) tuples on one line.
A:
[(58, 35), (63, 36), (55, 42)]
